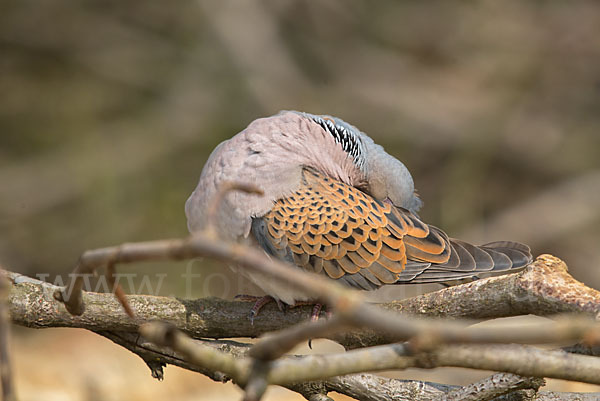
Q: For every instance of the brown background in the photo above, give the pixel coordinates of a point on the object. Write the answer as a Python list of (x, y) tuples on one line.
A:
[(108, 110)]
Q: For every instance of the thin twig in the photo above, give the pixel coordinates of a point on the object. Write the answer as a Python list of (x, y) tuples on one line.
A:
[(198, 354), (518, 359), (273, 345), (117, 290), (156, 356)]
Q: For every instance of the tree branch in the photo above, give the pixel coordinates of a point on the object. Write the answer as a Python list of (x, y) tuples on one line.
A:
[(369, 387), (519, 359), (362, 386), (494, 386), (157, 357), (544, 286)]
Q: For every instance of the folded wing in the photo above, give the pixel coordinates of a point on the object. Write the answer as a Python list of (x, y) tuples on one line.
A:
[(331, 228)]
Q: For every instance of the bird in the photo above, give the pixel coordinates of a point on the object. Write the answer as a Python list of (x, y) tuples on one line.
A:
[(334, 203)]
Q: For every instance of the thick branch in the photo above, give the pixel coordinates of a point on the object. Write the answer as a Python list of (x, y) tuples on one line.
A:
[(494, 386), (369, 387), (544, 288)]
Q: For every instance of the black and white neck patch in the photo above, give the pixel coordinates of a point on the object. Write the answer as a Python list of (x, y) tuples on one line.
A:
[(345, 136)]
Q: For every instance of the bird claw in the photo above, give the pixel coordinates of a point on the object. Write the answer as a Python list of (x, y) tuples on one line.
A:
[(259, 303), (316, 312), (317, 308), (251, 316)]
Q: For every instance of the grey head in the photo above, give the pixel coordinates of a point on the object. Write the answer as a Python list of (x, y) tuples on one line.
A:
[(271, 153), (385, 176)]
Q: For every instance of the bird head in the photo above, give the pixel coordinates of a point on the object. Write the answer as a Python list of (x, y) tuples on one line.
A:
[(384, 177)]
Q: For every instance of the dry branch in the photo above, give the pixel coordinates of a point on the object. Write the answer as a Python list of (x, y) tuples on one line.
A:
[(273, 345), (369, 387), (544, 286), (157, 357), (494, 386), (519, 359), (348, 384), (362, 386)]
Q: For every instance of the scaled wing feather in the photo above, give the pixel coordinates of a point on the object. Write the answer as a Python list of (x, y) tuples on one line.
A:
[(335, 229)]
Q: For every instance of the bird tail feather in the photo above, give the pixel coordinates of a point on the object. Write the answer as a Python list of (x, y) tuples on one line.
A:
[(469, 261)]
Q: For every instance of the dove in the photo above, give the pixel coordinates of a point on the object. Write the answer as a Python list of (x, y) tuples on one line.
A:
[(336, 204)]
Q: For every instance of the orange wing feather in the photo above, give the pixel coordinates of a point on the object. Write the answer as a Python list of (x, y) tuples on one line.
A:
[(337, 229)]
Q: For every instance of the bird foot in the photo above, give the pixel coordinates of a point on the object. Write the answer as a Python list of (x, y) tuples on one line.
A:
[(259, 303), (317, 308)]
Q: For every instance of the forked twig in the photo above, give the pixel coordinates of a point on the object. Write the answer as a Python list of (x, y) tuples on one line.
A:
[(71, 295)]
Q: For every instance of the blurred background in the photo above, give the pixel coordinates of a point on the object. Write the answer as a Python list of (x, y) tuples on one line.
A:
[(109, 110)]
